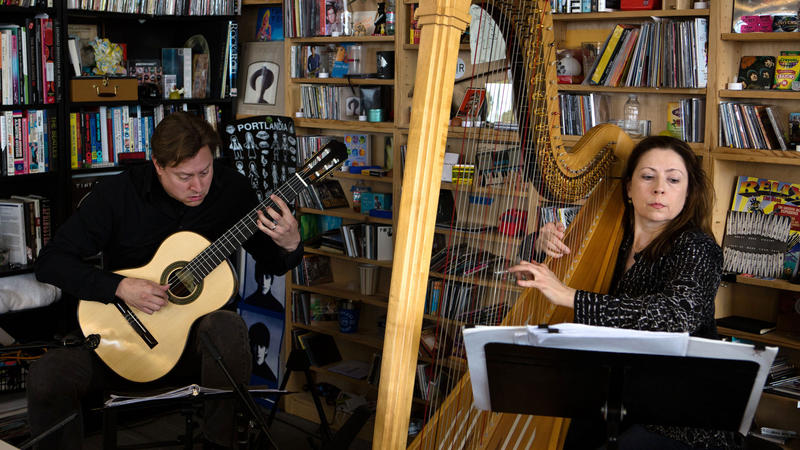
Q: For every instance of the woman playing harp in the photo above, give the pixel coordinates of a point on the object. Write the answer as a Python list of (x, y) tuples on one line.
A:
[(666, 277)]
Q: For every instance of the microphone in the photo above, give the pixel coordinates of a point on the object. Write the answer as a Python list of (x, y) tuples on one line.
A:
[(92, 341)]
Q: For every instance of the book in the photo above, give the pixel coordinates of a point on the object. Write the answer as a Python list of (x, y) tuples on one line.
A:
[(746, 324), (756, 72), (331, 194), (200, 81), (358, 151), (320, 348), (269, 24), (794, 128), (323, 308), (13, 234), (763, 220), (148, 73), (610, 49), (175, 63), (316, 269)]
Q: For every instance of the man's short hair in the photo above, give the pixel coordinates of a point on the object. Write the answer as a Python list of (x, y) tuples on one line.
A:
[(180, 136)]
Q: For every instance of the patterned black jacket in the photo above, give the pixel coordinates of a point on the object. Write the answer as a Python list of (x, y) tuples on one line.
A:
[(674, 293)]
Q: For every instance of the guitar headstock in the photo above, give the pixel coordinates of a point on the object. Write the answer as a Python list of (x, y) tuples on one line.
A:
[(324, 161)]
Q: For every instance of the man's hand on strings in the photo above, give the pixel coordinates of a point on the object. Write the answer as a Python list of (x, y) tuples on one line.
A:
[(539, 276), (145, 295), (280, 226), (550, 240)]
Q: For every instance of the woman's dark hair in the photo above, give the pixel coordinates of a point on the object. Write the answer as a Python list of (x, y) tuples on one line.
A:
[(180, 136), (696, 211)]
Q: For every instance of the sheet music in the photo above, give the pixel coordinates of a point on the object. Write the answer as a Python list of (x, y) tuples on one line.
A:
[(586, 337)]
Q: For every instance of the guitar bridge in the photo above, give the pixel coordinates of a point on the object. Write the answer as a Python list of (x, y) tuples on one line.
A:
[(137, 325)]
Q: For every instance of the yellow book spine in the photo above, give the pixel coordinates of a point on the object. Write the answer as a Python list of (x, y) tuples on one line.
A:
[(73, 141), (608, 52)]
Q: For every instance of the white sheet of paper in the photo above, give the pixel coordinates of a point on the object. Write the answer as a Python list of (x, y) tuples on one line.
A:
[(486, 41)]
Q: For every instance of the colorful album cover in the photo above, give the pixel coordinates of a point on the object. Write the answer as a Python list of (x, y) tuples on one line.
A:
[(757, 72), (269, 24)]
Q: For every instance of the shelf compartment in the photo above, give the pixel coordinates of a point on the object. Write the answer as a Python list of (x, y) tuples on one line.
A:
[(772, 284), (480, 281), (771, 94), (357, 176), (345, 125), (482, 190), (325, 370), (344, 213), (331, 39), (644, 14), (760, 37), (345, 81), (341, 291), (783, 157), (698, 147), (366, 338), (27, 106), (317, 251), (630, 90), (779, 338), (483, 134)]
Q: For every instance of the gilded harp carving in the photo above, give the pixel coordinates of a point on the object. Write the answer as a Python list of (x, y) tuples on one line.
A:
[(538, 173)]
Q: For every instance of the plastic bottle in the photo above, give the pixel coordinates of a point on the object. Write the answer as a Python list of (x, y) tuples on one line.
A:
[(630, 113), (390, 17)]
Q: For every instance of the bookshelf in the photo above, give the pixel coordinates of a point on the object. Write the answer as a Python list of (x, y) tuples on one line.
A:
[(49, 179), (744, 295), (368, 339)]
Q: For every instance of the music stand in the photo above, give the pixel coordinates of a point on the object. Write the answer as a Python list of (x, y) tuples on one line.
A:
[(619, 387)]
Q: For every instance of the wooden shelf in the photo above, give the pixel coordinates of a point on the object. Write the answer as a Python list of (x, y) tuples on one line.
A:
[(261, 2), (342, 291), (772, 284), (331, 39), (645, 14), (317, 251), (345, 125), (630, 90), (345, 81), (492, 236), (783, 157), (771, 94), (345, 213), (761, 37), (357, 176), (361, 382), (482, 134), (483, 190), (480, 280), (779, 338), (570, 140), (367, 338), (416, 46)]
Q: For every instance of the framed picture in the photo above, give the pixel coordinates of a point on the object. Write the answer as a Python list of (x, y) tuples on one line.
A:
[(472, 103), (262, 79)]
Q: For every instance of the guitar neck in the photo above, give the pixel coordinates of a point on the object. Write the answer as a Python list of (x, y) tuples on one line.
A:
[(243, 230)]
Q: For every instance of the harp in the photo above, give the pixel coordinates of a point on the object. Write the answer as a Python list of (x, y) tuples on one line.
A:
[(545, 174)]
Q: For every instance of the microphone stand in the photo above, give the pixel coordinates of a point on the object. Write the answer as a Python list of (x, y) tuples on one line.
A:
[(243, 394)]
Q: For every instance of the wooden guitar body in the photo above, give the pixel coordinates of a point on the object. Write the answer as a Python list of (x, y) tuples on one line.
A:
[(122, 348)]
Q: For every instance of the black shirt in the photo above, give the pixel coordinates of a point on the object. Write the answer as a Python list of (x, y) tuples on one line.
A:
[(127, 216)]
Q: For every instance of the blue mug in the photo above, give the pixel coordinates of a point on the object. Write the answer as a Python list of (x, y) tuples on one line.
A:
[(348, 317)]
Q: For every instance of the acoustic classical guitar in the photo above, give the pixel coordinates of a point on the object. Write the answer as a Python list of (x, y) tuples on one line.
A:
[(143, 347)]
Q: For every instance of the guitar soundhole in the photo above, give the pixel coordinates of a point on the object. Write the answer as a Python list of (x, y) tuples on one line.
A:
[(182, 287)]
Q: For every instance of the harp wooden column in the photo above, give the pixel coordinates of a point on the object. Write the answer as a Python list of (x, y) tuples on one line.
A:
[(442, 22)]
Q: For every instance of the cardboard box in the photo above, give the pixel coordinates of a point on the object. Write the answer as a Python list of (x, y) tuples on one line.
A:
[(102, 89)]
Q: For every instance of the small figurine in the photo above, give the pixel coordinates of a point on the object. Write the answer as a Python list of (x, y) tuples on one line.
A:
[(175, 94)]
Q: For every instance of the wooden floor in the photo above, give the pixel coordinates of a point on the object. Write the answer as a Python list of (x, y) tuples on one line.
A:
[(287, 431)]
